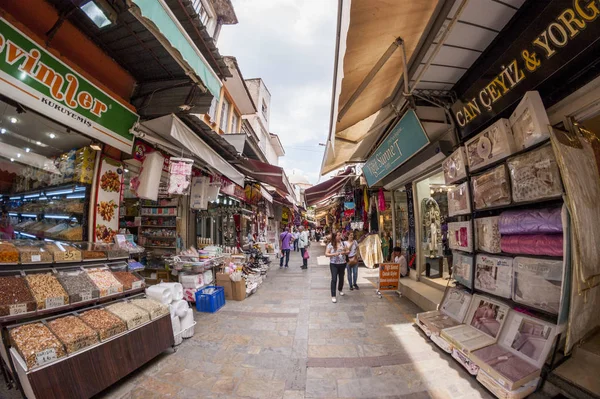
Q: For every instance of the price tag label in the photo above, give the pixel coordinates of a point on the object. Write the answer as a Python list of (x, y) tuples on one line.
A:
[(136, 285), (86, 296), (36, 258), (136, 321), (18, 309), (45, 356), (113, 290), (54, 302)]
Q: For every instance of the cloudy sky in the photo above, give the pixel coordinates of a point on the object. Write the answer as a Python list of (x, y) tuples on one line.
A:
[(290, 44)]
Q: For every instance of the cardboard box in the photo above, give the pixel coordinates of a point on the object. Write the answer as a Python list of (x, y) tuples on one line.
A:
[(224, 281), (239, 290)]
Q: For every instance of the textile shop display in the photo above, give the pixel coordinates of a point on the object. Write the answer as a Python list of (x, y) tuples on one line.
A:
[(535, 176), (502, 393), (455, 166), (459, 235), (534, 244), (491, 145), (494, 275), (459, 200), (370, 251), (529, 121), (491, 189), (482, 325), (531, 221), (520, 352), (538, 283), (452, 312), (488, 235), (462, 266)]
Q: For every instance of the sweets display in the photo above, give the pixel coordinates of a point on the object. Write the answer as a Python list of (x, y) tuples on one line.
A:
[(459, 200), (488, 235), (46, 290), (128, 279), (534, 244), (15, 297), (455, 166), (493, 144), (78, 285), (531, 221), (491, 188), (535, 175), (36, 344), (73, 333), (105, 281), (33, 252), (104, 323), (132, 315), (494, 274), (8, 253), (90, 251), (63, 252), (154, 308), (538, 283)]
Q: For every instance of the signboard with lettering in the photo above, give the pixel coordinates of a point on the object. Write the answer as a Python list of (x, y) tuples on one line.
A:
[(389, 276), (34, 77), (406, 139), (558, 34)]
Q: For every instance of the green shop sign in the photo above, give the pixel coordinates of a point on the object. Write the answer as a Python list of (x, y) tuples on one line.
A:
[(406, 139), (32, 76)]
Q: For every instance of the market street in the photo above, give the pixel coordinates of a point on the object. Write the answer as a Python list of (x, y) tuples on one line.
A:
[(289, 341)]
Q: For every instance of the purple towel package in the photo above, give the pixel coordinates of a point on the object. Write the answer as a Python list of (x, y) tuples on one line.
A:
[(534, 244), (531, 221)]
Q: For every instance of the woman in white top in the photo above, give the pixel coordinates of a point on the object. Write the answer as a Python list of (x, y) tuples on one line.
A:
[(336, 252), (352, 267)]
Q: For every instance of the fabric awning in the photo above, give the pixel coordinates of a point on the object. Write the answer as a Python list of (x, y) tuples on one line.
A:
[(175, 131), (266, 173), (326, 189)]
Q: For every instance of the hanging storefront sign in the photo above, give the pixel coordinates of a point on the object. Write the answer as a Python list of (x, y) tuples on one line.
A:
[(230, 188), (39, 80), (558, 34), (406, 139), (108, 194)]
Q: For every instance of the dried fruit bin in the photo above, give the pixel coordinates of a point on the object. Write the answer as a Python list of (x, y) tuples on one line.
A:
[(74, 334), (9, 255), (31, 251), (154, 308), (15, 296), (63, 252), (36, 344), (77, 284), (46, 289), (103, 322), (132, 315), (91, 251), (105, 281), (130, 280)]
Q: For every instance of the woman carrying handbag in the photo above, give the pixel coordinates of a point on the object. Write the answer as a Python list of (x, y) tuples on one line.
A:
[(336, 252), (352, 267)]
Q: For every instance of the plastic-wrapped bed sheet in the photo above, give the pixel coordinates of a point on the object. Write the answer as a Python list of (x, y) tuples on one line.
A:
[(538, 282), (494, 274), (459, 234), (459, 200), (535, 244), (462, 266), (535, 176), (491, 189), (531, 221), (488, 235)]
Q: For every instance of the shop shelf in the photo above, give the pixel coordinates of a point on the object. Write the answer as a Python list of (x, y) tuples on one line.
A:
[(158, 226), (210, 302)]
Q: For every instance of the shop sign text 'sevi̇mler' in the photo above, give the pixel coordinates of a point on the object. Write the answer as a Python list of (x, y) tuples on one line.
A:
[(406, 139), (37, 79)]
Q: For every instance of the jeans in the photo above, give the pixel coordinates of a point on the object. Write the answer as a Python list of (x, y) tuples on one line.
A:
[(337, 276), (296, 245), (304, 261), (352, 274), (286, 253)]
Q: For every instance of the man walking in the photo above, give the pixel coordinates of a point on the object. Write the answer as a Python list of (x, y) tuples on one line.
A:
[(303, 245), (295, 235), (284, 244)]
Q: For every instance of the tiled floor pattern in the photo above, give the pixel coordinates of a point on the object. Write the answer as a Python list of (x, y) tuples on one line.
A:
[(289, 341)]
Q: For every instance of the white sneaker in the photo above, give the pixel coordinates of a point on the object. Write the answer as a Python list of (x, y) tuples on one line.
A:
[(333, 299), (341, 293)]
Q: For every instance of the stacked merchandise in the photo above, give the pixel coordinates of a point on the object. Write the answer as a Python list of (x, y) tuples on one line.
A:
[(182, 316), (255, 270)]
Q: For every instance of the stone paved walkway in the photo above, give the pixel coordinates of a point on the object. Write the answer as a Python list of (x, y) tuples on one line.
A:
[(289, 341)]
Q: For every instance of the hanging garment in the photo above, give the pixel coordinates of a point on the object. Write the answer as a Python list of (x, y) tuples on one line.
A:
[(381, 200)]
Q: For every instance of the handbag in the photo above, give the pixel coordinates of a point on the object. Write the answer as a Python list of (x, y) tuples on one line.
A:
[(306, 254)]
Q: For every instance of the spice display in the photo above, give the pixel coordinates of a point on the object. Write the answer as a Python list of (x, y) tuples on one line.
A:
[(78, 285), (15, 297), (104, 323), (30, 252), (156, 309), (73, 333), (47, 291), (105, 281), (128, 279), (132, 315), (63, 252), (8, 253), (36, 344)]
